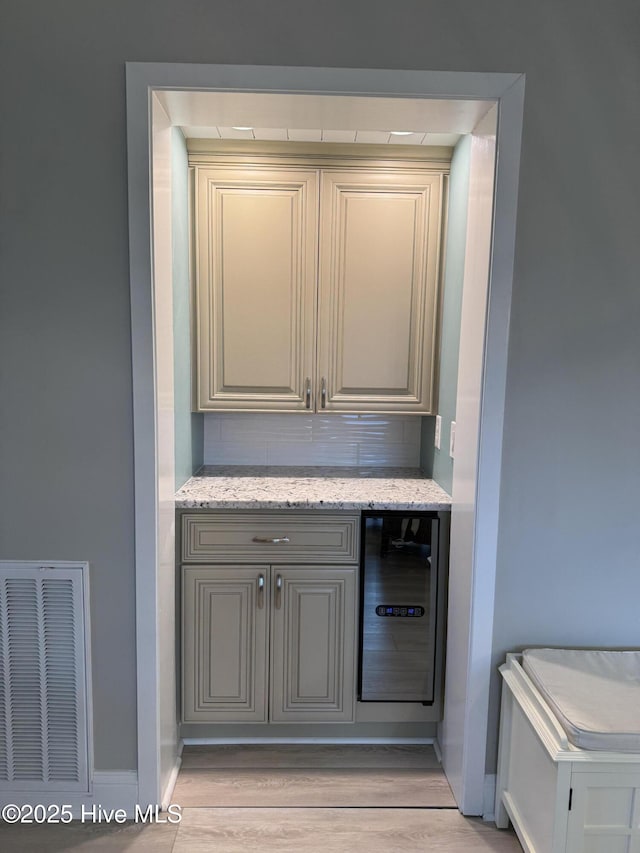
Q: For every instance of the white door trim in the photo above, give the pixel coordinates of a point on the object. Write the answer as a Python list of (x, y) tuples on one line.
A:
[(508, 91)]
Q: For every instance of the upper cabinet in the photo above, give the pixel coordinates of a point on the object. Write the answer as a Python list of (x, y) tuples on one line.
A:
[(317, 285), (256, 262), (377, 306)]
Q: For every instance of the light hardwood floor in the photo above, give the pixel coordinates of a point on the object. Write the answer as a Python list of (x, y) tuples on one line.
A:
[(338, 831), (306, 799), (275, 831), (312, 776)]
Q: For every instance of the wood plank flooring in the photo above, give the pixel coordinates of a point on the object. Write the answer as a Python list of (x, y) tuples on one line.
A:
[(80, 837), (307, 755), (338, 831), (274, 831), (348, 788), (312, 776), (360, 799)]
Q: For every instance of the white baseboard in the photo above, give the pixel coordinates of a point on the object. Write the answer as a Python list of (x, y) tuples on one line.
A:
[(214, 741), (489, 797), (116, 789), (437, 750), (171, 783)]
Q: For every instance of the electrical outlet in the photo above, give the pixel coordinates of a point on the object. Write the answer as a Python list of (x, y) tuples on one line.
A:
[(452, 440), (438, 433)]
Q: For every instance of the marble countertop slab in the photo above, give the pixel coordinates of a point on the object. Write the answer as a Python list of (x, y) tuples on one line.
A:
[(268, 487)]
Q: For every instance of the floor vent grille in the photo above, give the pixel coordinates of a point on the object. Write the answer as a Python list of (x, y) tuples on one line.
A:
[(43, 678)]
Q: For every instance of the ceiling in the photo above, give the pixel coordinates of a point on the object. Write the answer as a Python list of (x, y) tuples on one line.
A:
[(322, 118), (288, 134)]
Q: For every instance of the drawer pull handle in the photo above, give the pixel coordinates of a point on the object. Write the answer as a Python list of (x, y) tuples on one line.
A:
[(275, 540), (278, 590), (260, 591)]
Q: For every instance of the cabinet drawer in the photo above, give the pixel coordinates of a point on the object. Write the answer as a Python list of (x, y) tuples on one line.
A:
[(270, 537)]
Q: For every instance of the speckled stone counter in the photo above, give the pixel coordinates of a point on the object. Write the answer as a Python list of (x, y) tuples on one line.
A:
[(241, 487)]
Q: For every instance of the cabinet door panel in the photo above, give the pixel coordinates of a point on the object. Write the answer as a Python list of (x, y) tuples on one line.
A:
[(605, 811), (377, 250), (224, 645), (379, 258), (256, 271), (313, 645)]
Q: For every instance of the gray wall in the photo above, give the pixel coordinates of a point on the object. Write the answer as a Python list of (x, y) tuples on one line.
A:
[(569, 537), (189, 427), (441, 466)]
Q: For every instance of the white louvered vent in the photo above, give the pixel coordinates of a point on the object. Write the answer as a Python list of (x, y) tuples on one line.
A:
[(43, 681)]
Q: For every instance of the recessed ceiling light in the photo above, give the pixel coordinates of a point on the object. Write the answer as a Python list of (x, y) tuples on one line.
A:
[(242, 128), (401, 132)]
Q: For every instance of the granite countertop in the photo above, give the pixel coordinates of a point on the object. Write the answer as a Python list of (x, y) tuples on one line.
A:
[(269, 487)]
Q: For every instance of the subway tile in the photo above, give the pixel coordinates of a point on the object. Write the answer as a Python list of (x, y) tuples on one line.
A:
[(315, 453), (411, 430), (374, 428), (211, 441), (300, 439), (265, 427), (211, 427), (401, 455), (236, 453)]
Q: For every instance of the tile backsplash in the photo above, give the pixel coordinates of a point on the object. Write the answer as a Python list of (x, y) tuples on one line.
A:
[(275, 439)]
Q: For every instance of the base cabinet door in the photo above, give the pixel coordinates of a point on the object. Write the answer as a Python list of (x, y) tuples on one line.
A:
[(313, 644), (233, 615), (224, 643)]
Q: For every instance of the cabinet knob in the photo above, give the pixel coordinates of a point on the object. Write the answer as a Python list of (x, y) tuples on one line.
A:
[(278, 590), (260, 591), (307, 393), (323, 393)]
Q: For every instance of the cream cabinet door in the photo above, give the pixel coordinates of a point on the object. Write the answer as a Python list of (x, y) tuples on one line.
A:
[(379, 259), (256, 271), (224, 643), (313, 644)]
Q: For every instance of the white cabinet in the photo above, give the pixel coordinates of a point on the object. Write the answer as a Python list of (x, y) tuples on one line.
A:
[(379, 253), (560, 798), (317, 287), (256, 295), (268, 641)]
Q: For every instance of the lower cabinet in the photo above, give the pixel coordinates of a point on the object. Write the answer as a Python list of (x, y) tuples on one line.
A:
[(225, 643), (268, 643)]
